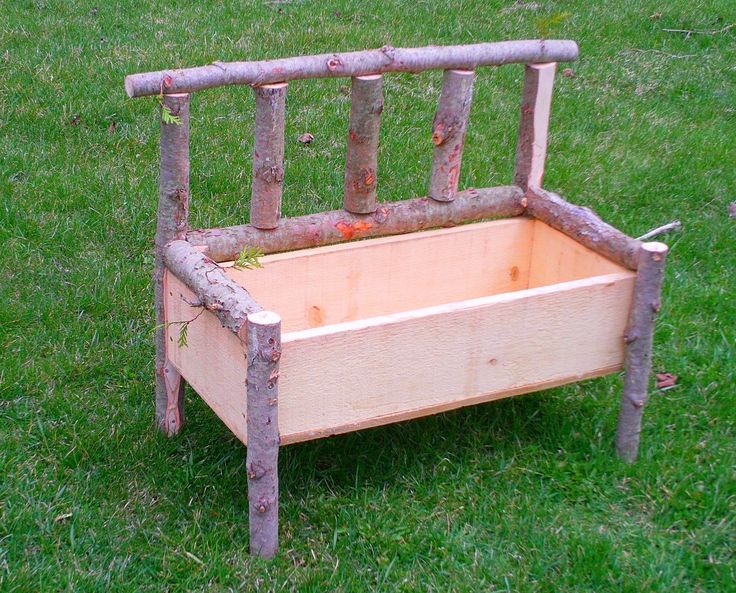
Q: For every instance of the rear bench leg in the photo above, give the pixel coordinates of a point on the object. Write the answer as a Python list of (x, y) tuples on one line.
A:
[(638, 361), (172, 223), (263, 343)]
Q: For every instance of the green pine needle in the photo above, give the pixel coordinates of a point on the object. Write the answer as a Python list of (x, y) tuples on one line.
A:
[(248, 258)]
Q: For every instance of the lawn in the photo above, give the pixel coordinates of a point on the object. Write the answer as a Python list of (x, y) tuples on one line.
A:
[(516, 495)]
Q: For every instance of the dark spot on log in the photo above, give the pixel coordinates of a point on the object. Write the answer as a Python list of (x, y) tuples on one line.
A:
[(381, 215), (270, 385), (256, 470), (272, 341), (526, 109)]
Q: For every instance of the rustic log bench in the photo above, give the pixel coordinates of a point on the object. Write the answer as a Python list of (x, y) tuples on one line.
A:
[(334, 335)]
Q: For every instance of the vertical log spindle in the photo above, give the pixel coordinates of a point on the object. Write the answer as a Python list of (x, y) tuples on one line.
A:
[(263, 343), (448, 133), (268, 156), (639, 335), (536, 103), (361, 164), (172, 223)]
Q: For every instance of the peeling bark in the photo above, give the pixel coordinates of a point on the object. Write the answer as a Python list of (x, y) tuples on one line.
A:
[(358, 63), (336, 226), (214, 289), (263, 354), (583, 225), (448, 133), (361, 163), (172, 223), (536, 104), (268, 156), (639, 336)]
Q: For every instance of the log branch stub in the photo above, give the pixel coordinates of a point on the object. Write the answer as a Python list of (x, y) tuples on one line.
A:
[(361, 163), (357, 63), (268, 156), (583, 225), (337, 226), (448, 133), (639, 336), (214, 289), (172, 223), (536, 103), (263, 353)]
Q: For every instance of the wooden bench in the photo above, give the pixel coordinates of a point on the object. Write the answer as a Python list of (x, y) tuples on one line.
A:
[(333, 335)]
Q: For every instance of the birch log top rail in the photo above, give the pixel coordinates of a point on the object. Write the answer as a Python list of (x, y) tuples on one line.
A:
[(333, 335)]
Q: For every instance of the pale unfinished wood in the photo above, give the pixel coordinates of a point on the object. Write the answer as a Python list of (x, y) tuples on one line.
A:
[(536, 104), (346, 376), (381, 276), (555, 257)]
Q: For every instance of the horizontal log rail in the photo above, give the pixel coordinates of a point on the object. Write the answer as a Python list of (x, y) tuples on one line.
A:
[(356, 63), (583, 225), (337, 226), (214, 289)]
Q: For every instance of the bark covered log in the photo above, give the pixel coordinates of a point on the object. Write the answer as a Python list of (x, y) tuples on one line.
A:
[(337, 226), (172, 223), (263, 354), (448, 133), (268, 156), (536, 104), (361, 163), (583, 225), (358, 63), (214, 289), (639, 336)]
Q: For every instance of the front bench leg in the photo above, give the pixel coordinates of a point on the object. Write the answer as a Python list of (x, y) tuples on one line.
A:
[(638, 361), (263, 351)]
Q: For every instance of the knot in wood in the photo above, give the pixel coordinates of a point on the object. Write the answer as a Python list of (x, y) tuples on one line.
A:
[(256, 470), (334, 63), (262, 505), (272, 173)]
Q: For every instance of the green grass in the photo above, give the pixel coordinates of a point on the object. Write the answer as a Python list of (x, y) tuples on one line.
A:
[(517, 495)]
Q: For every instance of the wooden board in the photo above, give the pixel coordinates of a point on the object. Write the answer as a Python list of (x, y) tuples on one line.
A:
[(386, 367), (339, 283)]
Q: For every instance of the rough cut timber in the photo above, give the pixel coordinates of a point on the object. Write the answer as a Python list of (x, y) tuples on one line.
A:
[(263, 354), (357, 63), (268, 156), (639, 334), (507, 330), (336, 226), (172, 223), (214, 290), (448, 133), (583, 225), (361, 163), (536, 103)]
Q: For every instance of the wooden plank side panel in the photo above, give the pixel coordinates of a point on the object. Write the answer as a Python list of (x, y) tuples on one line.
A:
[(555, 257), (402, 366), (340, 283), (212, 362)]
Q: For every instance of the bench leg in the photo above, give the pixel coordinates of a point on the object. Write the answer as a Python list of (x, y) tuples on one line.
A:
[(171, 223), (638, 361), (263, 352)]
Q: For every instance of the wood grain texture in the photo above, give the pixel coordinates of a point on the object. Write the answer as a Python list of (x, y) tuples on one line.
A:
[(350, 281), (389, 367), (536, 104)]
